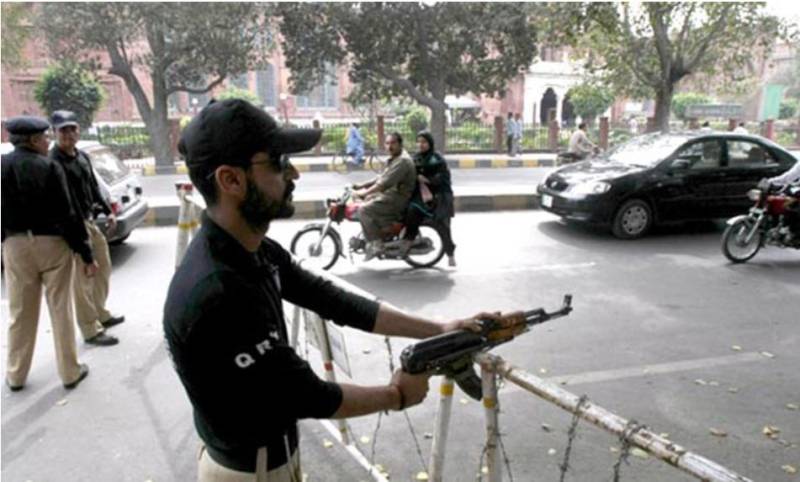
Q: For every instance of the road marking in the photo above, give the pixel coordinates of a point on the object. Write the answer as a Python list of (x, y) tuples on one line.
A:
[(658, 369), (413, 274)]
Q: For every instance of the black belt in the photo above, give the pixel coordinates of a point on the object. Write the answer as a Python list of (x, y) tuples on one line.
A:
[(244, 460)]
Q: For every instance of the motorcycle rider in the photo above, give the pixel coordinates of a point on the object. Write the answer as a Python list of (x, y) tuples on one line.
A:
[(579, 144), (387, 195), (790, 180)]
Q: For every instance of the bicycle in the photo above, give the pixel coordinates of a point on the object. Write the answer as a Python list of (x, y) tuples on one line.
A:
[(342, 162)]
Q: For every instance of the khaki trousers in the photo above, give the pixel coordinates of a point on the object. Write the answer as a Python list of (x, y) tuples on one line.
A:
[(30, 263), (91, 293), (210, 471)]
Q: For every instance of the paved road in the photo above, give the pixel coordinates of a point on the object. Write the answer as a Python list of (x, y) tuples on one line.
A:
[(160, 190), (651, 317)]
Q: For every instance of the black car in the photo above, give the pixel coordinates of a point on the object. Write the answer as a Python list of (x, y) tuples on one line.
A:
[(663, 177)]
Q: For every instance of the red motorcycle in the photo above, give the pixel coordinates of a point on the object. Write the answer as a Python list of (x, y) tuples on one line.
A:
[(763, 225), (320, 244)]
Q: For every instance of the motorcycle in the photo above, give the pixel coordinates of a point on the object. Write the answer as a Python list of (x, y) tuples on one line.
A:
[(320, 244), (764, 225), (567, 157)]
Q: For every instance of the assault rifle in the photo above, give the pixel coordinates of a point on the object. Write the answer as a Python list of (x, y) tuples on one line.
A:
[(452, 353)]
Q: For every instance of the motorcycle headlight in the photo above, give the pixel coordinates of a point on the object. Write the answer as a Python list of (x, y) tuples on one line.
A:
[(754, 194), (594, 187)]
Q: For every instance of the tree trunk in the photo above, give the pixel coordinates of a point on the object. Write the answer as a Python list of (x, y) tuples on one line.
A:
[(158, 126), (663, 107), (438, 122)]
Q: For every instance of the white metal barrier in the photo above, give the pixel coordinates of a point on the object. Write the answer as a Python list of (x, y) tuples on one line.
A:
[(188, 218)]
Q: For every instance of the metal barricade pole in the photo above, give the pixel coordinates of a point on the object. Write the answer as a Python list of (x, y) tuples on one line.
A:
[(439, 447), (327, 360), (296, 317), (184, 221), (491, 409)]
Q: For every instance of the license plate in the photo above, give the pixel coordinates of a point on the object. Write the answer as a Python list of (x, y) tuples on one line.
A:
[(547, 201)]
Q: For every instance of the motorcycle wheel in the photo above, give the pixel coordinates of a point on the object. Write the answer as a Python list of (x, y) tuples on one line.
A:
[(733, 246), (428, 248), (306, 239)]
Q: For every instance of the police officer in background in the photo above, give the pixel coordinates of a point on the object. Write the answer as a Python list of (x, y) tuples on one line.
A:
[(223, 317), (90, 293), (40, 231)]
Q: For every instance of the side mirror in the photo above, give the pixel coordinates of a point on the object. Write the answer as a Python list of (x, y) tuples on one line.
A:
[(680, 165)]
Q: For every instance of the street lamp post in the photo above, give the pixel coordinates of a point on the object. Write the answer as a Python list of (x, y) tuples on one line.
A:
[(284, 97)]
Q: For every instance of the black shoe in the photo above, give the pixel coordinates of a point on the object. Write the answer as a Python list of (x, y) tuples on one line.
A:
[(114, 320), (14, 388), (83, 374), (101, 339)]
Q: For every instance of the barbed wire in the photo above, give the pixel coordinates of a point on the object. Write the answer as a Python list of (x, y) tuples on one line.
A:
[(571, 434), (631, 428)]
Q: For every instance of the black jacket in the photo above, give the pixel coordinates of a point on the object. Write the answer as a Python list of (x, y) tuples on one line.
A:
[(224, 325), (85, 192), (36, 198)]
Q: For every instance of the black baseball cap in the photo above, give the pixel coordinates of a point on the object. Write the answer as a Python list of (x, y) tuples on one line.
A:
[(63, 118), (26, 125), (231, 131)]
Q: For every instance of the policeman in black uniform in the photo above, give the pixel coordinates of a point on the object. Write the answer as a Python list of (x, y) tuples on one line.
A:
[(40, 231), (223, 318), (90, 293)]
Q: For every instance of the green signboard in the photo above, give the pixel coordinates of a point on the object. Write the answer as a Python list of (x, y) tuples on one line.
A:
[(771, 101)]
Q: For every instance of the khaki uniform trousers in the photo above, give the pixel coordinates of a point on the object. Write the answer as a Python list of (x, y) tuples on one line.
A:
[(32, 262), (210, 471), (91, 293)]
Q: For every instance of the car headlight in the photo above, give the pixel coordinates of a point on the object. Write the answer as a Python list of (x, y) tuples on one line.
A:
[(594, 187)]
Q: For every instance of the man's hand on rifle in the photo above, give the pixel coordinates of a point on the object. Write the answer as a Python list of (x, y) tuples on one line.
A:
[(472, 324), (411, 389)]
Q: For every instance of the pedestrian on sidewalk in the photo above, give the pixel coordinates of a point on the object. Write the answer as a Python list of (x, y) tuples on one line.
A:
[(517, 136), (355, 144), (510, 133), (90, 293), (39, 232), (433, 197), (223, 318)]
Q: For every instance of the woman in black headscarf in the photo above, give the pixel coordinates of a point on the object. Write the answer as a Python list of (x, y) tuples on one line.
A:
[(433, 196)]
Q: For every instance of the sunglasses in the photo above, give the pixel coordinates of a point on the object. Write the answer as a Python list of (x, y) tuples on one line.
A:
[(282, 162)]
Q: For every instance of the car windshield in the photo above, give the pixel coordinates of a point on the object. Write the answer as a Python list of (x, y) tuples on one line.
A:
[(108, 166), (646, 150)]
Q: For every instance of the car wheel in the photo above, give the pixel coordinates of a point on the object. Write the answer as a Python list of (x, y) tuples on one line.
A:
[(633, 219)]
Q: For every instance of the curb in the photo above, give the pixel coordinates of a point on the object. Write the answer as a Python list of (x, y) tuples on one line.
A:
[(315, 209), (149, 169)]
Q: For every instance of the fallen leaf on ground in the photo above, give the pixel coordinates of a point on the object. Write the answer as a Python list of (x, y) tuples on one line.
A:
[(717, 432), (733, 390), (551, 451), (614, 450), (327, 444), (792, 406), (713, 383), (463, 401), (637, 452), (700, 381), (61, 402), (364, 439), (664, 435), (428, 435), (767, 354), (547, 428), (422, 476), (770, 431), (736, 348), (484, 470), (366, 351), (789, 469), (543, 371)]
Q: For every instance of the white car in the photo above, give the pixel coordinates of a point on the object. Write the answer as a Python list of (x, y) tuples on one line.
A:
[(121, 187)]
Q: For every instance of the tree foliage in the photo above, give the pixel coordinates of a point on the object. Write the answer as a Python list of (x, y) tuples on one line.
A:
[(788, 108), (420, 51), (15, 31), (645, 50), (590, 100), (183, 47), (683, 100), (233, 92), (68, 86)]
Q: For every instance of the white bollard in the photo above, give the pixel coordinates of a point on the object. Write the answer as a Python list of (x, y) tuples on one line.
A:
[(327, 361), (491, 408), (184, 220), (439, 447)]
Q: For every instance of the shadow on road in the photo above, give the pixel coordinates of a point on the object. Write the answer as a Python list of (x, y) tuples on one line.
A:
[(417, 287), (120, 254)]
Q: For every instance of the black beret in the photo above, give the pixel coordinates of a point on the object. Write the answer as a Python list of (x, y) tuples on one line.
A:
[(233, 130), (26, 125), (63, 118)]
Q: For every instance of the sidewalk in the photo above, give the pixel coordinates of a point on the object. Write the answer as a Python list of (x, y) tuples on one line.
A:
[(147, 167)]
